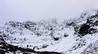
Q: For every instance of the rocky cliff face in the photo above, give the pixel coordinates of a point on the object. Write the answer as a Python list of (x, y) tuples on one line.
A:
[(74, 36)]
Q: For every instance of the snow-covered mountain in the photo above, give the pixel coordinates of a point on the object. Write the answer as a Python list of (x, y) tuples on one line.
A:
[(72, 36)]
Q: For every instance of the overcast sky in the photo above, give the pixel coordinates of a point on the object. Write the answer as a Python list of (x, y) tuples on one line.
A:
[(43, 9)]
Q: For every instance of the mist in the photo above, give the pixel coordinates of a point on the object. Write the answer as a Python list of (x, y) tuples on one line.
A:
[(43, 9)]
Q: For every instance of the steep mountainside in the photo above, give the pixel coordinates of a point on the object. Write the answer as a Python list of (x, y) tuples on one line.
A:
[(74, 36)]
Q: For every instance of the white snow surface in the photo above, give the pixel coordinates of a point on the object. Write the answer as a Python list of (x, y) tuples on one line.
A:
[(26, 38)]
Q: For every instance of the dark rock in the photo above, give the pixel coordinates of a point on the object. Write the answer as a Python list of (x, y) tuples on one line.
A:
[(44, 46), (84, 29), (57, 38), (46, 52), (2, 52), (65, 35), (92, 30)]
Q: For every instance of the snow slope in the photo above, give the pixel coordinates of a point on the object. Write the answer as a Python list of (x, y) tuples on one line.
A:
[(69, 37)]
